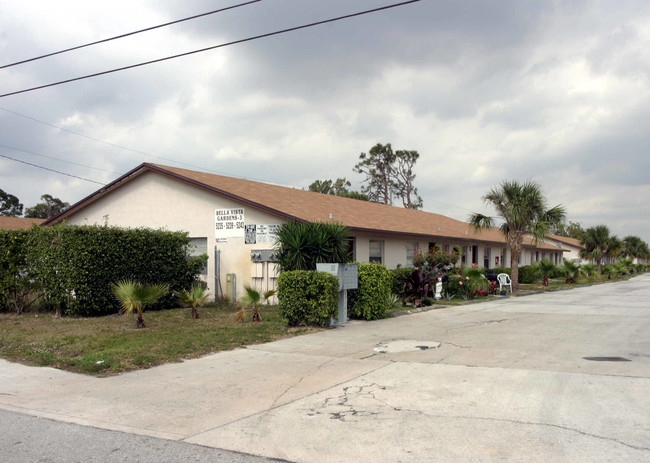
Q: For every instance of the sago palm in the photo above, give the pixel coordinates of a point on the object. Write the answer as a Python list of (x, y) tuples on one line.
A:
[(523, 211), (134, 297)]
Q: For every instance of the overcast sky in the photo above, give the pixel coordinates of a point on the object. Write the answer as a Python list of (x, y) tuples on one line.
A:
[(553, 91)]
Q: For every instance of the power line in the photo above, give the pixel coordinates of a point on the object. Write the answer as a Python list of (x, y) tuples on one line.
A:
[(249, 39), (128, 34), (56, 159), (114, 145), (126, 148), (51, 170)]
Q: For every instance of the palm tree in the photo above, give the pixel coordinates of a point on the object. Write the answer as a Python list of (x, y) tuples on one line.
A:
[(252, 298), (635, 248), (268, 295), (571, 271), (522, 207), (588, 269), (598, 243), (194, 297), (546, 269), (134, 296)]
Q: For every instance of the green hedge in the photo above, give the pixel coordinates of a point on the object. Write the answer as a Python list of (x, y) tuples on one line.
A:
[(372, 298), (528, 274), (308, 297), (74, 267), (15, 282), (398, 277)]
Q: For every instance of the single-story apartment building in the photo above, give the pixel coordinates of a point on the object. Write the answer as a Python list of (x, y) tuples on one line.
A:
[(234, 222), (571, 246)]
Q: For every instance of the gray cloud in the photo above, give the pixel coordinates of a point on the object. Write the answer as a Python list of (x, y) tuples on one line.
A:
[(554, 91)]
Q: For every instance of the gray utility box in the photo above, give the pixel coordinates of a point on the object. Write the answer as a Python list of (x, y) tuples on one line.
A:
[(348, 275)]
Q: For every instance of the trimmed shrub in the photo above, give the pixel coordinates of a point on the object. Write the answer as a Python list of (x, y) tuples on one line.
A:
[(528, 274), (75, 266), (308, 297), (398, 278), (498, 270), (372, 298)]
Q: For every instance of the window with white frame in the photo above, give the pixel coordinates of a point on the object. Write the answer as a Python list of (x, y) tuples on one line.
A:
[(376, 251), (411, 252)]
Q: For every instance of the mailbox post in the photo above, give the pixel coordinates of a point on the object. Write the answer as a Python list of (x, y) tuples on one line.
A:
[(348, 275)]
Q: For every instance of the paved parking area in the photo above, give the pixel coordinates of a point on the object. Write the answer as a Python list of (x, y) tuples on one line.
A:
[(500, 381)]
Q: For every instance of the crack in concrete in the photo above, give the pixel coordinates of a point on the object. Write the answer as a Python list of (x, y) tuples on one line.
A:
[(351, 410), (342, 401), (455, 345), (294, 385)]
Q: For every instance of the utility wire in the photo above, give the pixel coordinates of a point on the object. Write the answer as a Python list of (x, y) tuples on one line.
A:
[(51, 170), (126, 148), (249, 39), (56, 159), (128, 34)]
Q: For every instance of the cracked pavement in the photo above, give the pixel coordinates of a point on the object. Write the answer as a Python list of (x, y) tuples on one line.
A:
[(507, 382)]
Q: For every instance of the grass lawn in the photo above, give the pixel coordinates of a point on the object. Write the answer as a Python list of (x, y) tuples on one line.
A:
[(108, 345)]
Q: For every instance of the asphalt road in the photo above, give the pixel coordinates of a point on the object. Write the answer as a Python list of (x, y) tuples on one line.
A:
[(555, 377), (29, 439)]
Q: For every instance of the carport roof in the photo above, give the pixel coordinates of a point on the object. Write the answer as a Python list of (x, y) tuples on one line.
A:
[(301, 205)]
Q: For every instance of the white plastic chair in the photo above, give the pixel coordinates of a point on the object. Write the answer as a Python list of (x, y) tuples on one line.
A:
[(504, 280)]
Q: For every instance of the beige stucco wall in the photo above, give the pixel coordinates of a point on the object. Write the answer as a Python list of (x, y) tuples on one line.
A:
[(155, 201)]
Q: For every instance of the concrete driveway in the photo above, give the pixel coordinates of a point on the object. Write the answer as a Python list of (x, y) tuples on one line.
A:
[(561, 377)]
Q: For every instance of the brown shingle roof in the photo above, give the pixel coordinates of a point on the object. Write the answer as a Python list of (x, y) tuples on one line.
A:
[(291, 203), (18, 223), (565, 239)]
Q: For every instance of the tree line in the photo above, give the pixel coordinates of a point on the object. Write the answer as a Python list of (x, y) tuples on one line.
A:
[(389, 177), (10, 206)]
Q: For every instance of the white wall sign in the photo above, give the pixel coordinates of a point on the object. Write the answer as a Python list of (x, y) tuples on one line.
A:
[(261, 233), (228, 223)]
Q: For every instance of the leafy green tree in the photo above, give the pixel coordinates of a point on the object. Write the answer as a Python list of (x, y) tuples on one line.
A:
[(338, 187), (598, 243), (355, 195), (300, 246), (570, 230), (523, 210), (9, 205), (403, 178), (47, 209), (134, 296), (194, 297), (378, 167), (389, 174)]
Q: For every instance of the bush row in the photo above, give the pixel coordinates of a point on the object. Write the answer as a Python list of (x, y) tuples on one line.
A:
[(311, 298), (73, 267)]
